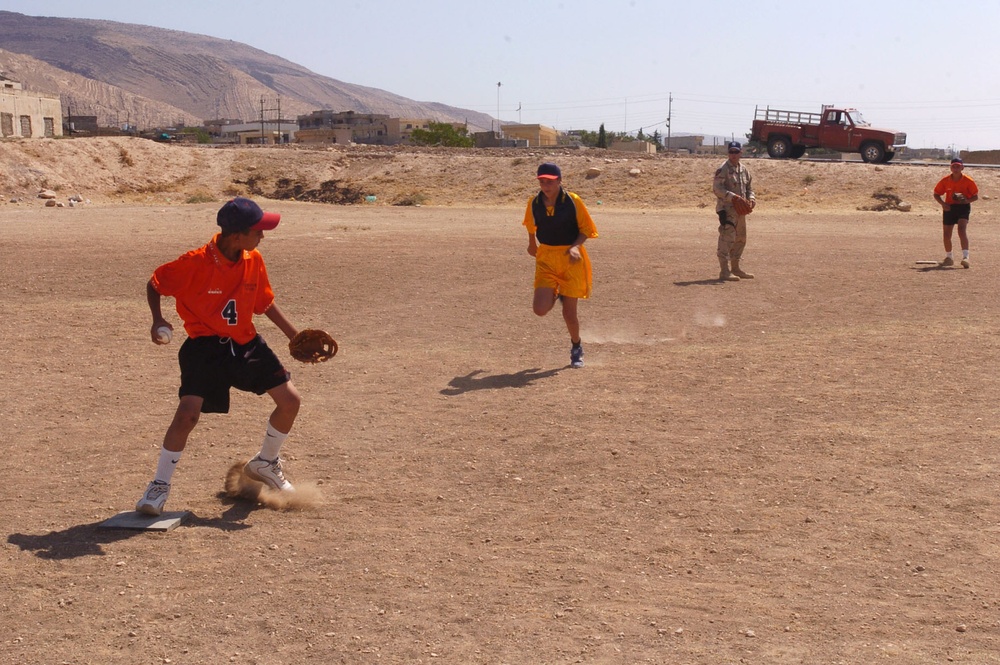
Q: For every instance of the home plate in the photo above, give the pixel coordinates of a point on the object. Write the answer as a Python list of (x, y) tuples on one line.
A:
[(928, 263), (131, 519)]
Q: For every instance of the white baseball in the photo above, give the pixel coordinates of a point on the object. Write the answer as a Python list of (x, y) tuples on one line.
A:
[(164, 334)]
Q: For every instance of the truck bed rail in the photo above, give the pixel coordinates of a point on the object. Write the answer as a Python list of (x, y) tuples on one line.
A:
[(790, 117)]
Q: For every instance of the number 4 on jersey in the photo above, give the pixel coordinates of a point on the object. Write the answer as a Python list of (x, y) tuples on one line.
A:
[(229, 312)]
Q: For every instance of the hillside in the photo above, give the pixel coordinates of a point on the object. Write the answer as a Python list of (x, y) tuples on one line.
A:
[(158, 76), (121, 169)]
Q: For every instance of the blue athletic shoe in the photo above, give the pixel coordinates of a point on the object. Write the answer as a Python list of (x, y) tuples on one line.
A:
[(576, 356)]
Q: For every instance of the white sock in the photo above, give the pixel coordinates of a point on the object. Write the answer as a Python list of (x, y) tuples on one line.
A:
[(965, 253), (272, 443), (948, 254), (166, 466)]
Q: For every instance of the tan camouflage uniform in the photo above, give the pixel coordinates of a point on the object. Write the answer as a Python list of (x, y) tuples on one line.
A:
[(730, 181)]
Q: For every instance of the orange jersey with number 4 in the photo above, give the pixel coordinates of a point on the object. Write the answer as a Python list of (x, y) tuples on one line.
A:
[(965, 186), (214, 295)]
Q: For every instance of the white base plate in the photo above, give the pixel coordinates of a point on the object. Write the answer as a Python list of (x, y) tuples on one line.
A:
[(131, 519)]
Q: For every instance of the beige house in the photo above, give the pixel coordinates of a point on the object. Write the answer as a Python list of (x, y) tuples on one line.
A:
[(339, 135), (644, 147), (407, 125), (28, 114), (535, 135)]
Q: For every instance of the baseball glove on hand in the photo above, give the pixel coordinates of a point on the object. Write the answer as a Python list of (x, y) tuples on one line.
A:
[(742, 205), (312, 346)]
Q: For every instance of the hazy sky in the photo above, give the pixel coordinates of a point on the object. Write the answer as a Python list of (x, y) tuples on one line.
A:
[(926, 68)]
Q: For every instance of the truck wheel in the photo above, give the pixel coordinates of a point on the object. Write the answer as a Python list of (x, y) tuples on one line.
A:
[(798, 151), (888, 157), (779, 148), (873, 153)]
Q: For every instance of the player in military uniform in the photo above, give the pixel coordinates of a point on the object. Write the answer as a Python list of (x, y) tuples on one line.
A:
[(732, 179)]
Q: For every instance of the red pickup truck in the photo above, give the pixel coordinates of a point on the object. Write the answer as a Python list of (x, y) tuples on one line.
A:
[(787, 134)]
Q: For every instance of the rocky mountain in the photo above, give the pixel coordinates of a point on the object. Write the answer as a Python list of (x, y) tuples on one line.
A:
[(155, 77)]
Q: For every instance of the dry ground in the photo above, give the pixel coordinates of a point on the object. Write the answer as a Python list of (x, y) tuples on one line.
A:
[(795, 469)]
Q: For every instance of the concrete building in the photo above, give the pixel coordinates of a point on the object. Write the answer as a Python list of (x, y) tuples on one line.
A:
[(28, 114), (269, 132), (216, 126), (369, 128), (407, 125), (691, 143), (644, 147), (533, 135), (77, 124)]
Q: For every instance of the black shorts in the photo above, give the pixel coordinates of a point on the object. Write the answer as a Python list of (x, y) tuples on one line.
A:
[(210, 366), (958, 211)]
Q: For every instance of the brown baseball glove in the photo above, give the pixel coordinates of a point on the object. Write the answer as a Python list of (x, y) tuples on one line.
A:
[(312, 346), (742, 205)]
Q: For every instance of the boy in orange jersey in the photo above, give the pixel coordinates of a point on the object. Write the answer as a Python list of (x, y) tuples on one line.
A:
[(218, 289), (558, 224), (954, 193)]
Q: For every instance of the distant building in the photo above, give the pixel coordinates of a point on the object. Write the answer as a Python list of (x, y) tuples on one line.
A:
[(407, 125), (329, 127), (644, 147), (269, 132), (75, 124), (28, 114), (980, 156), (927, 154), (214, 127), (534, 136), (692, 144)]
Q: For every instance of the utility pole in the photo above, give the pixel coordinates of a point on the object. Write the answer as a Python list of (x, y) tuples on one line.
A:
[(262, 109), (262, 119), (670, 104), (499, 126)]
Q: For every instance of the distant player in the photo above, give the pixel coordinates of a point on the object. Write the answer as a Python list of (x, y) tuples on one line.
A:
[(218, 289), (558, 224), (955, 193)]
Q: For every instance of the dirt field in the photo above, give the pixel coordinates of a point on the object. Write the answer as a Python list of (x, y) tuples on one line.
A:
[(795, 469)]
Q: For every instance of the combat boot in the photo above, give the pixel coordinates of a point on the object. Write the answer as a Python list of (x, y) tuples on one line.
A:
[(724, 273), (739, 273)]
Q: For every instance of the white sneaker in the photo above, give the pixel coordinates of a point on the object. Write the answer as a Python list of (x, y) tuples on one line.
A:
[(152, 501), (965, 263), (268, 473)]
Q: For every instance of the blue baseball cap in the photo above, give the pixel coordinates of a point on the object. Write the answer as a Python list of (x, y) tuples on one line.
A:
[(735, 145), (242, 214), (549, 171)]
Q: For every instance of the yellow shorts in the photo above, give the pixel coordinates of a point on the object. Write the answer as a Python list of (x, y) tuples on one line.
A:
[(554, 270)]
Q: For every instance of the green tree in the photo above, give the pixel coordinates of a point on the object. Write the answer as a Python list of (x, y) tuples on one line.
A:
[(442, 133), (588, 138), (602, 137)]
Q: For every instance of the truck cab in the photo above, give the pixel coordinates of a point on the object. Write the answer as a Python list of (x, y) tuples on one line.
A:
[(838, 130)]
